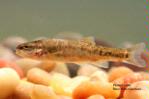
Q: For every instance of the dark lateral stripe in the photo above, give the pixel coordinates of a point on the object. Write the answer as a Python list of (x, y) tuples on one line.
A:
[(112, 54)]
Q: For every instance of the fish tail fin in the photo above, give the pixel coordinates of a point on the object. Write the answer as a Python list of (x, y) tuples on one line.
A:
[(135, 55)]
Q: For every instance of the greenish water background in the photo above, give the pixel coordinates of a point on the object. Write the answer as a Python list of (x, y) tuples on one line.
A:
[(113, 20)]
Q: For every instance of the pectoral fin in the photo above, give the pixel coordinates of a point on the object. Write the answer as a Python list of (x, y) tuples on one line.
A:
[(101, 64)]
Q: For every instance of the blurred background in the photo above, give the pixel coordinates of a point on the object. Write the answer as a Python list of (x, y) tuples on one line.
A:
[(115, 21)]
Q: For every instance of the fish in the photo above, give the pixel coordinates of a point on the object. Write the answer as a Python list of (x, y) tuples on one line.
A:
[(82, 50)]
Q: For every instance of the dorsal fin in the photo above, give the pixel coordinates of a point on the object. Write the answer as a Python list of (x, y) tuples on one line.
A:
[(89, 40)]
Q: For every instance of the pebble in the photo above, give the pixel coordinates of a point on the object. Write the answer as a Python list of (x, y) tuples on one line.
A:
[(65, 97), (13, 65), (142, 91), (38, 76), (47, 65), (59, 82), (129, 79), (87, 69), (23, 90), (9, 79), (6, 54), (61, 68), (26, 64), (99, 75), (13, 41), (89, 88), (96, 97), (43, 92), (76, 81), (73, 69), (118, 72)]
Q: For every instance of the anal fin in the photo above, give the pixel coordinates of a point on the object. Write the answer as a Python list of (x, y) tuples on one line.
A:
[(134, 64)]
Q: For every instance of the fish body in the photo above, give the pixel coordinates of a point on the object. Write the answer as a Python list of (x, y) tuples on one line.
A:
[(76, 51)]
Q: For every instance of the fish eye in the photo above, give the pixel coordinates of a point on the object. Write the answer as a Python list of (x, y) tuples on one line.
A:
[(26, 46), (20, 47)]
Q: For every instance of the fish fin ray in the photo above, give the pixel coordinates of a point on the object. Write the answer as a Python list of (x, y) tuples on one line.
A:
[(102, 64), (89, 40), (135, 55)]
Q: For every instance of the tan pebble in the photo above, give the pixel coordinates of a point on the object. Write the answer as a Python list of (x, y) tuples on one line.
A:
[(118, 72), (89, 88), (65, 97), (26, 64), (24, 79), (113, 98), (9, 79), (11, 97), (59, 82), (96, 97), (61, 68), (23, 90), (43, 92), (6, 53), (145, 75), (12, 41), (47, 65), (99, 76), (87, 70), (38, 76), (141, 93), (128, 79), (76, 81)]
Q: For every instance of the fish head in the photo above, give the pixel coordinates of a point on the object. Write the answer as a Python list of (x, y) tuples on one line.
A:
[(32, 49)]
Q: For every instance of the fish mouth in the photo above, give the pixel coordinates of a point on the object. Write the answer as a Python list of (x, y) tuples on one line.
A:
[(21, 53), (25, 54)]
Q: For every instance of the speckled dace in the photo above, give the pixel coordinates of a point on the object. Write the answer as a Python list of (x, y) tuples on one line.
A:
[(83, 50)]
